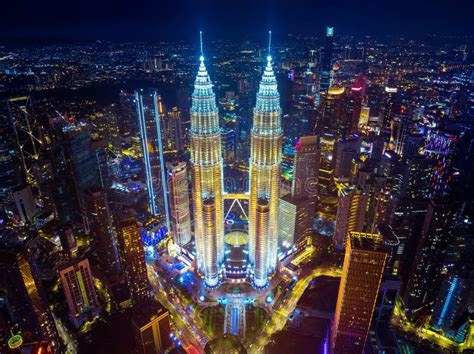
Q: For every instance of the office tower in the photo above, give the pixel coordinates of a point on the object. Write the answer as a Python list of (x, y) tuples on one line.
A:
[(351, 214), (27, 302), (353, 109), (364, 263), (179, 203), (11, 173), (25, 203), (347, 150), (81, 160), (332, 112), (265, 159), (295, 220), (437, 234), (390, 106), (79, 288), (127, 121), (173, 137), (151, 327), (207, 175), (326, 64), (18, 114), (65, 200), (68, 240), (132, 254), (400, 128), (379, 194), (103, 233), (306, 167), (450, 303), (148, 110), (229, 145), (326, 169), (100, 150)]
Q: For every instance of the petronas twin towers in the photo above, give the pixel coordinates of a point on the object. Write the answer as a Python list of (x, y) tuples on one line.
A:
[(207, 177)]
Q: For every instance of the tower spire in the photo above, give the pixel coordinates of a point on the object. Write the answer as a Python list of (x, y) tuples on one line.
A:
[(200, 41), (269, 57)]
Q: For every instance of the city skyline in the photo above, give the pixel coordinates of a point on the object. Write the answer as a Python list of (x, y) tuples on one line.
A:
[(201, 180)]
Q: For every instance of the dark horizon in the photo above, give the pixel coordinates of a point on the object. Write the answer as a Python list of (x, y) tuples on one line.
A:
[(57, 22)]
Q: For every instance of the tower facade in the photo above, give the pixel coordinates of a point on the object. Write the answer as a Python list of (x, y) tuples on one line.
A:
[(265, 160), (364, 264), (179, 203), (207, 176), (132, 254)]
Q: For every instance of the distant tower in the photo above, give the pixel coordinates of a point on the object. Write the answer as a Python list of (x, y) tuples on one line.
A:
[(25, 295), (364, 264), (179, 203), (132, 254), (102, 230), (265, 160), (326, 65), (79, 288), (207, 175)]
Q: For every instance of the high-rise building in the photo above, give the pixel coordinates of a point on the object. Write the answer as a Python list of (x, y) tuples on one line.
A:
[(351, 215), (173, 130), (25, 202), (103, 233), (326, 64), (295, 220), (306, 167), (450, 303), (265, 160), (148, 110), (347, 150), (24, 293), (132, 254), (179, 203), (24, 133), (437, 234), (207, 176), (364, 263), (81, 160), (151, 326), (79, 288), (11, 174)]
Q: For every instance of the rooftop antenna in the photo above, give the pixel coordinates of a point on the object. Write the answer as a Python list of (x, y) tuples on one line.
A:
[(269, 44), (200, 40)]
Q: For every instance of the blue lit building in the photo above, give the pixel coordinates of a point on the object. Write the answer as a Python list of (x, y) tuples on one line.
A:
[(451, 302), (326, 64), (152, 149)]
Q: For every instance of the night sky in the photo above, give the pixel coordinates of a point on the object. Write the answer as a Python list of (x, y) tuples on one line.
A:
[(52, 20)]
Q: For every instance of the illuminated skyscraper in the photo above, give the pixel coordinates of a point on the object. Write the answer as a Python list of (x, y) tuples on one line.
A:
[(179, 203), (450, 303), (132, 254), (265, 160), (148, 108), (364, 264), (351, 215), (207, 175), (24, 293), (78, 285)]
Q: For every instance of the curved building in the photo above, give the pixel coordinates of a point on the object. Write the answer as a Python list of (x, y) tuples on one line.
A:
[(207, 176), (265, 160)]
